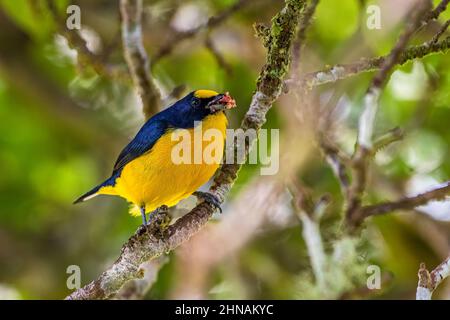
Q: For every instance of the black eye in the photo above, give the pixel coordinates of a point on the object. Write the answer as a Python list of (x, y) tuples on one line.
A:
[(195, 102)]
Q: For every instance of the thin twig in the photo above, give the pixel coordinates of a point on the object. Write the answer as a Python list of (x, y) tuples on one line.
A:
[(408, 203), (153, 242), (441, 31), (343, 71), (435, 13), (85, 57), (309, 213), (386, 139), (305, 21), (136, 57), (212, 23), (175, 94), (395, 54), (209, 44), (337, 161)]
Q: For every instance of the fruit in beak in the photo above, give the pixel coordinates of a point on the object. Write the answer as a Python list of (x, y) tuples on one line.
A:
[(222, 102)]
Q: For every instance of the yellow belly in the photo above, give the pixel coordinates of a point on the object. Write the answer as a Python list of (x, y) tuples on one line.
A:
[(153, 179)]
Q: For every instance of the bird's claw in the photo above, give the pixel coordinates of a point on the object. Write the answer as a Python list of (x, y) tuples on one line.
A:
[(157, 213), (159, 218), (209, 198)]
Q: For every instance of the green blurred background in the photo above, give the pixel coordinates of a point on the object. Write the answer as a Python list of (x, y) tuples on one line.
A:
[(62, 126)]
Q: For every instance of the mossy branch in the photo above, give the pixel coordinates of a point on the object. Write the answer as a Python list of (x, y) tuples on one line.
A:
[(136, 56), (343, 71)]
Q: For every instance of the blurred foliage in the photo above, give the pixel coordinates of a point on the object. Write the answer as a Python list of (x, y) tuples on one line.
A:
[(63, 126)]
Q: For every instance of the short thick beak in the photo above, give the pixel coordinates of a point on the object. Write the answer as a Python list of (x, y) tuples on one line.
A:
[(222, 102)]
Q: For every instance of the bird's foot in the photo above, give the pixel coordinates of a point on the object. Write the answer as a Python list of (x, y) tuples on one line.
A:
[(158, 219), (209, 198)]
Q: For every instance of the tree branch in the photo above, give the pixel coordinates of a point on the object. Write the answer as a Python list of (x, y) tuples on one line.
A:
[(209, 44), (136, 57), (386, 139), (408, 203), (212, 23), (138, 288), (435, 13), (363, 148), (85, 57), (153, 242), (338, 162), (441, 31), (309, 214), (429, 281), (343, 71), (305, 21)]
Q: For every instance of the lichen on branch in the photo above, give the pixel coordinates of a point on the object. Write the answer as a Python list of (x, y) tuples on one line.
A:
[(136, 56), (343, 71)]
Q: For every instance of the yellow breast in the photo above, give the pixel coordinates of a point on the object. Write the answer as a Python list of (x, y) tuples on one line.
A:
[(160, 177)]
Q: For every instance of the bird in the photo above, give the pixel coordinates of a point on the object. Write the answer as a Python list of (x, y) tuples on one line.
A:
[(145, 174)]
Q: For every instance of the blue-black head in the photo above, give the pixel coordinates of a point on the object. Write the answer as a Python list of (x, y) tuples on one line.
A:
[(197, 105)]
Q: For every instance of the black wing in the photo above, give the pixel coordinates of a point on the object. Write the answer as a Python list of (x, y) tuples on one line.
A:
[(142, 142)]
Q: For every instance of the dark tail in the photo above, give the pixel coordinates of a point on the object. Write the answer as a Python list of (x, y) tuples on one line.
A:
[(92, 193), (88, 195)]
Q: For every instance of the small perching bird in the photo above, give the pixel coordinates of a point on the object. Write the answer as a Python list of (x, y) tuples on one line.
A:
[(146, 174)]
